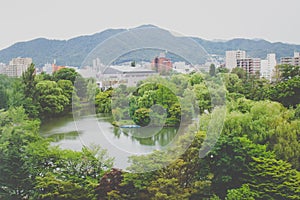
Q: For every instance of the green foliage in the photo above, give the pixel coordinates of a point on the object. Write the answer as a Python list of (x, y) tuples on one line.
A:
[(68, 91), (273, 179), (32, 169), (167, 189), (288, 71), (243, 192), (65, 74), (212, 70), (256, 157), (50, 98), (16, 132), (297, 112), (229, 162), (196, 78), (5, 83), (287, 92), (92, 90), (103, 101), (142, 116), (222, 70), (73, 175), (241, 73), (28, 79)]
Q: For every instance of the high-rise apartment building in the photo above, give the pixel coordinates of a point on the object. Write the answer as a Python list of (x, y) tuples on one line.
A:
[(232, 57), (17, 66), (250, 65), (267, 67), (291, 60)]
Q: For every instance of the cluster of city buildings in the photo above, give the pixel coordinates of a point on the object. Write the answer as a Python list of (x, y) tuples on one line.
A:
[(262, 67), (113, 76), (265, 68), (291, 60), (16, 67), (130, 74)]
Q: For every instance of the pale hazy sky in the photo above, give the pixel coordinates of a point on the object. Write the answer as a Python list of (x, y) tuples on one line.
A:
[(273, 20)]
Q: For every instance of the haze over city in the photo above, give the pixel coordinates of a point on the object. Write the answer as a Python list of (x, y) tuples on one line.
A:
[(275, 21)]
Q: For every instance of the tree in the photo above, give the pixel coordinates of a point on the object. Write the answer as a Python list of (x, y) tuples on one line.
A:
[(92, 90), (51, 99), (67, 90), (168, 189), (29, 84), (240, 72), (273, 179), (4, 97), (222, 70), (230, 160), (288, 71), (243, 192), (28, 79), (142, 116), (103, 101), (16, 132), (233, 83), (212, 70), (73, 175), (66, 74), (287, 92), (196, 78)]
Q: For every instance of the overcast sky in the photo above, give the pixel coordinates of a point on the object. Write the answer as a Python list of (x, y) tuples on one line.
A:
[(273, 20)]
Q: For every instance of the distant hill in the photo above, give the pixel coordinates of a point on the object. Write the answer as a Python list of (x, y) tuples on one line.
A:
[(72, 52), (254, 48), (65, 52)]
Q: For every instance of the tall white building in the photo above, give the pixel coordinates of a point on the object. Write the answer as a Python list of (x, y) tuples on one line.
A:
[(232, 57), (268, 66)]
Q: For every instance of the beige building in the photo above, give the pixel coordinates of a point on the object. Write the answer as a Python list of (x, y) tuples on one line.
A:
[(114, 76), (250, 65), (232, 57), (291, 60), (17, 66)]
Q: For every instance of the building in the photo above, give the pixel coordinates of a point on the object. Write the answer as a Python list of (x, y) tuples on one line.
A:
[(296, 60), (47, 68), (232, 57), (250, 65), (161, 64), (291, 60), (267, 67), (2, 67), (56, 67), (182, 67), (114, 76), (17, 66)]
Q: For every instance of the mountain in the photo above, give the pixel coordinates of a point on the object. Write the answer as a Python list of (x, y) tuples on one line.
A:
[(254, 48), (65, 52), (72, 52)]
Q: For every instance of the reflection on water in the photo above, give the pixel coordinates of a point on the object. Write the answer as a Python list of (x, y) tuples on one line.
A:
[(72, 135), (160, 137), (120, 142)]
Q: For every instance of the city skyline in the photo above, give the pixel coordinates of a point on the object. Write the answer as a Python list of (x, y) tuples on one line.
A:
[(273, 21)]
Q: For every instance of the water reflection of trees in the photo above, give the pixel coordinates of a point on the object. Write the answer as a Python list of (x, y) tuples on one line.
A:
[(149, 136), (72, 135)]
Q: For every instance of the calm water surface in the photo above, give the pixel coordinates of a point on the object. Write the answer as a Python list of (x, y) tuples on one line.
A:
[(98, 130)]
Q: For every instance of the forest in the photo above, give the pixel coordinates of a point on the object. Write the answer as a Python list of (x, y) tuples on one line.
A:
[(257, 155)]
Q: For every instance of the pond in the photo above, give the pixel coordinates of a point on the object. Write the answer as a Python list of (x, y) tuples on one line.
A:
[(98, 130)]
